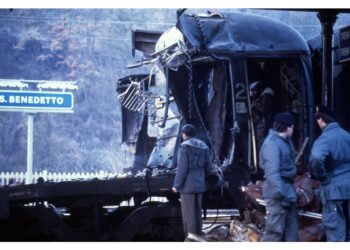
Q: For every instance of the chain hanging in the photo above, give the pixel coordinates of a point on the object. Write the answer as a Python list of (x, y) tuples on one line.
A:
[(203, 45)]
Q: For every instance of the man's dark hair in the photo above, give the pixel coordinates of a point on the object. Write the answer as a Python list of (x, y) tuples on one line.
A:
[(189, 130), (280, 127), (325, 113)]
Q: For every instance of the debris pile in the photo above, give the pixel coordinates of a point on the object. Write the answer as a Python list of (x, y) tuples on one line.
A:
[(237, 231)]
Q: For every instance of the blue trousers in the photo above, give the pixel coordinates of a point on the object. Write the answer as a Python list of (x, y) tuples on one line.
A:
[(336, 220), (281, 221)]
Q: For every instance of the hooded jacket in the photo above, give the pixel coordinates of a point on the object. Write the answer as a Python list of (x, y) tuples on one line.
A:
[(193, 162)]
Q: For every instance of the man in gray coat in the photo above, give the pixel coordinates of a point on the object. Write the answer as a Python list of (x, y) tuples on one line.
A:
[(277, 161), (330, 164), (192, 163)]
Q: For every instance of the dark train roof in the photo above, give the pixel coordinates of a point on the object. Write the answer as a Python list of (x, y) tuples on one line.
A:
[(239, 32)]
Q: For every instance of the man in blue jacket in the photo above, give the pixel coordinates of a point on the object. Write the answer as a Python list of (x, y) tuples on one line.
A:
[(277, 161), (192, 163), (330, 164)]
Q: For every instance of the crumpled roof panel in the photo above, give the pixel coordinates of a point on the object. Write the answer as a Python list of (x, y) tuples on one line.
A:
[(240, 32)]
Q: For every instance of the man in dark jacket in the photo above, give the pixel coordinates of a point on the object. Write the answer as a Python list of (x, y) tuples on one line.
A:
[(277, 161), (193, 161), (262, 109), (330, 164)]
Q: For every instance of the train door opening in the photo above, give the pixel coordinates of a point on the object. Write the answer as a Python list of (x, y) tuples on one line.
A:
[(274, 85)]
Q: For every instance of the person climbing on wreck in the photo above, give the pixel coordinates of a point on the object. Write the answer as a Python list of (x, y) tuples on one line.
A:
[(277, 161), (262, 109)]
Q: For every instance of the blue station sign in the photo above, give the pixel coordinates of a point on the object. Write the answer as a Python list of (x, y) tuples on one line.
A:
[(36, 101)]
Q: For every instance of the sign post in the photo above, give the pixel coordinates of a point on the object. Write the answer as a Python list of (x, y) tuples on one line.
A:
[(32, 102), (30, 148)]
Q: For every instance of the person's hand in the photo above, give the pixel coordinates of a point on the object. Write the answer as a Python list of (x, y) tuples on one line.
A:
[(174, 190)]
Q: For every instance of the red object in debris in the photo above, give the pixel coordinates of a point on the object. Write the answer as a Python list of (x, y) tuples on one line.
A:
[(310, 228)]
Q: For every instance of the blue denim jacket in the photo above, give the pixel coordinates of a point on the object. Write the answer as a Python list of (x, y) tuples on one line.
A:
[(276, 158), (330, 162)]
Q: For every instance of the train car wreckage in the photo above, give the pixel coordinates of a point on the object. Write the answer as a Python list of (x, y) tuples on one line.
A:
[(200, 73)]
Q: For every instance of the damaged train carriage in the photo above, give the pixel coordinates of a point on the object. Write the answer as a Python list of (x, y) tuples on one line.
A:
[(201, 71)]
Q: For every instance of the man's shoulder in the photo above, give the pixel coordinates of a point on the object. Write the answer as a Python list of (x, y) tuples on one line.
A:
[(267, 92), (195, 142), (273, 136), (271, 141), (333, 132)]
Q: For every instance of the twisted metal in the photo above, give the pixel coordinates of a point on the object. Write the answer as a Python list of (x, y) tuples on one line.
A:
[(136, 98)]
